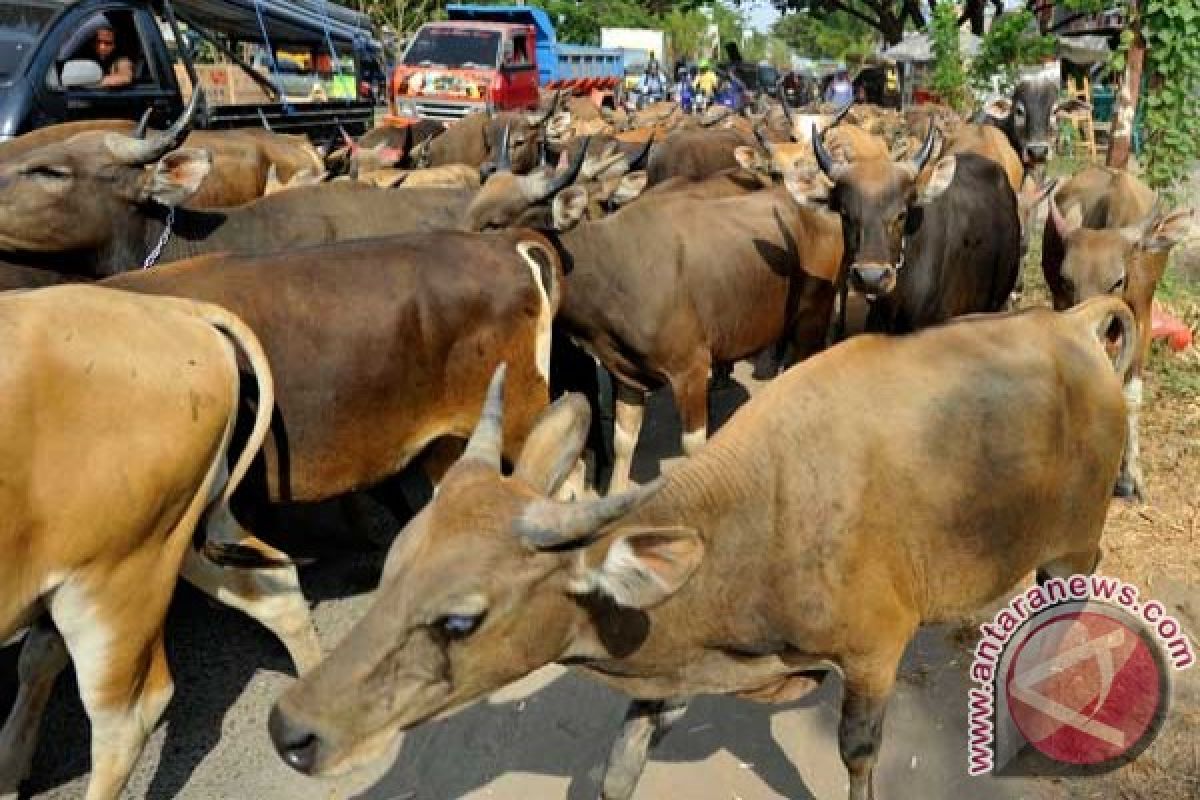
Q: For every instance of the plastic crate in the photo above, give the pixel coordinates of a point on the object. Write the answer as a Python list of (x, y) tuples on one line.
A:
[(1103, 100)]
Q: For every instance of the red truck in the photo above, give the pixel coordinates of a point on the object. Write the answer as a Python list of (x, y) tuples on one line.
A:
[(495, 58)]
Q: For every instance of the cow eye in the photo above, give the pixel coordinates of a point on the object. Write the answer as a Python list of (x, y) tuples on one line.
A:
[(1019, 111), (458, 626), (1118, 286), (48, 171)]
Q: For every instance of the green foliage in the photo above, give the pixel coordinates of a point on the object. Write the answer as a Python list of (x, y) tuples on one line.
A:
[(949, 78), (1012, 42), (1172, 126), (836, 35)]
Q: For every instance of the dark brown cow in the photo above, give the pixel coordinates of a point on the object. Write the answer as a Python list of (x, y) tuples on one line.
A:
[(922, 252), (1027, 118), (695, 153), (1104, 235), (773, 555)]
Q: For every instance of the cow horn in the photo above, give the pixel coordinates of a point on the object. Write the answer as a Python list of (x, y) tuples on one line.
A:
[(824, 159), (143, 125), (347, 139), (840, 115), (133, 152), (548, 524), (639, 161), (556, 185), (503, 158), (923, 155), (487, 441)]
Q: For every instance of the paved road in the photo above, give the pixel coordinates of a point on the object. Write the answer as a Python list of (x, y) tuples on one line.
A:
[(545, 738)]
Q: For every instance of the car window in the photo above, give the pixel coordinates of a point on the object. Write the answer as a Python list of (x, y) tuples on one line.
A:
[(21, 24)]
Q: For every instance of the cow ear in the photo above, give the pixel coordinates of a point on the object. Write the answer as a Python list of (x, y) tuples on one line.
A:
[(175, 177), (807, 186), (749, 158), (629, 187), (555, 443), (998, 109), (939, 181), (639, 567), (569, 207), (1168, 231)]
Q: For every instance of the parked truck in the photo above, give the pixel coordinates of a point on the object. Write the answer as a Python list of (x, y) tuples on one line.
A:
[(495, 58), (49, 72)]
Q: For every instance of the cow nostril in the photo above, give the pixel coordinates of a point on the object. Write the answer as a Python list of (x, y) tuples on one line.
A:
[(295, 745), (1038, 151)]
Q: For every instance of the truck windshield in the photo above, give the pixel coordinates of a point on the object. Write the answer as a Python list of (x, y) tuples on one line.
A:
[(454, 47), (20, 26)]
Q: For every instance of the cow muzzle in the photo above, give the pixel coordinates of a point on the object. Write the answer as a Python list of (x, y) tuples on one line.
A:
[(872, 279), (296, 744), (1037, 152)]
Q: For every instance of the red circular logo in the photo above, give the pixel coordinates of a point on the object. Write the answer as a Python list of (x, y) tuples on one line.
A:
[(1084, 688)]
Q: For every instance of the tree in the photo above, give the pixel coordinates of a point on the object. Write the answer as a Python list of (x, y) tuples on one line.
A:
[(835, 35), (889, 17)]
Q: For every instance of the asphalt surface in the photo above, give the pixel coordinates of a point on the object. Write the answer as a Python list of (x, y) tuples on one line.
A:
[(546, 737)]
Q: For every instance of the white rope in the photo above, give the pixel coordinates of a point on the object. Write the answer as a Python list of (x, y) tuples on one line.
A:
[(153, 256)]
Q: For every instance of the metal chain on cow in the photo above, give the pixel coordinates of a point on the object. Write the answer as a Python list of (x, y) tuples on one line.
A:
[(154, 254)]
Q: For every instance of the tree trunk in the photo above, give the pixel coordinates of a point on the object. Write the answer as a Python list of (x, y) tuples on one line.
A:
[(1121, 139)]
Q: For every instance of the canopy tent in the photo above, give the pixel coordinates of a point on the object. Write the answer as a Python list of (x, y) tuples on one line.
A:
[(918, 48)]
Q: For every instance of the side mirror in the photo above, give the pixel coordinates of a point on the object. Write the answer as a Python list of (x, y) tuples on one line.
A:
[(81, 72)]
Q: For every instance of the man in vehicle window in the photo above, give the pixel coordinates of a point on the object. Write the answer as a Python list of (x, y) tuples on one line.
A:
[(118, 69)]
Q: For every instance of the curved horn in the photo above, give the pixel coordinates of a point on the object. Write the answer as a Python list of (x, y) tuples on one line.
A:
[(923, 155), (347, 139), (133, 152), (143, 125), (639, 161), (543, 190), (840, 115), (548, 524), (762, 139), (503, 159), (824, 159), (487, 442)]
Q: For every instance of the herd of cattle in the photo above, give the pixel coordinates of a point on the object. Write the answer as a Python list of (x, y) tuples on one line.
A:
[(349, 309)]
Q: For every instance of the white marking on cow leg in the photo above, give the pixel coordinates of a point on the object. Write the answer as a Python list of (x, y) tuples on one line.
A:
[(118, 737), (646, 722), (631, 407), (43, 657), (1131, 467), (104, 664), (270, 596), (693, 441), (545, 321)]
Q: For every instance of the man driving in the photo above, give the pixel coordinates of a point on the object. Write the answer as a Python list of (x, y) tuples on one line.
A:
[(118, 69)]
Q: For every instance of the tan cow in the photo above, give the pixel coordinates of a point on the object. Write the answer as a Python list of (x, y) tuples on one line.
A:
[(117, 412), (773, 555), (1105, 235)]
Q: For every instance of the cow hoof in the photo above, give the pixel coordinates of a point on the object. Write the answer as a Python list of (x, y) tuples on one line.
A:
[(1128, 489)]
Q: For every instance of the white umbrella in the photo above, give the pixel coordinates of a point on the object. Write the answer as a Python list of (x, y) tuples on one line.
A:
[(918, 47)]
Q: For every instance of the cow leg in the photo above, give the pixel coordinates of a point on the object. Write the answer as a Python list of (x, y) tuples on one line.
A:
[(691, 396), (43, 657), (1131, 482), (631, 407), (120, 662), (270, 595), (646, 722), (861, 728)]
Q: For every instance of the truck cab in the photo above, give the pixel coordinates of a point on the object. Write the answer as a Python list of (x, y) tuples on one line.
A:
[(50, 72), (454, 68)]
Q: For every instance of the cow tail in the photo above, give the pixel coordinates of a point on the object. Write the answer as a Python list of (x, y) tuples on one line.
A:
[(245, 339), (1099, 315)]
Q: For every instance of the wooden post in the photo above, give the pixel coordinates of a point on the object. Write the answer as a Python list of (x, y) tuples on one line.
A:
[(1125, 110)]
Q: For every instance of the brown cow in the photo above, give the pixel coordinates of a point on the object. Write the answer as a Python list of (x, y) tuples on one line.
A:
[(771, 556), (760, 270), (117, 417), (1104, 235)]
